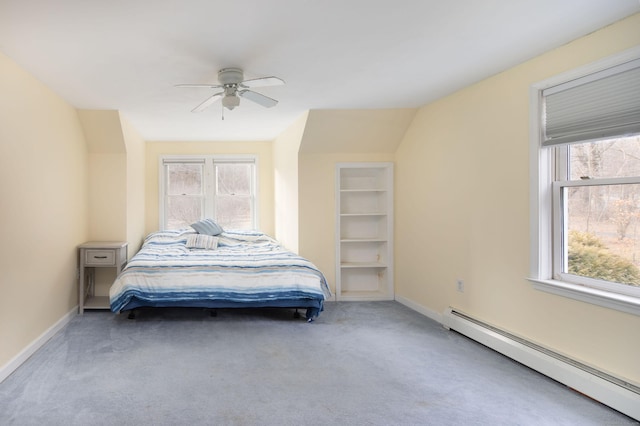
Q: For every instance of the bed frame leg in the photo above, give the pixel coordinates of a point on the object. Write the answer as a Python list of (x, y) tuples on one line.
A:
[(296, 314), (213, 312), (132, 314)]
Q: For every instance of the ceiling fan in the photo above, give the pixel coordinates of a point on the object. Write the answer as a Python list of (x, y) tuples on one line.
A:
[(234, 87)]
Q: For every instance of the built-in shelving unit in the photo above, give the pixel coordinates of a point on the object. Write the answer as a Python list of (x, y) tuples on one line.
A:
[(364, 231)]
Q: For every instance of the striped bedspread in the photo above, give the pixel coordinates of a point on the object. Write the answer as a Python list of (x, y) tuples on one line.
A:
[(246, 269)]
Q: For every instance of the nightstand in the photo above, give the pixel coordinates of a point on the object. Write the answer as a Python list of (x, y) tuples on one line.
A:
[(98, 254)]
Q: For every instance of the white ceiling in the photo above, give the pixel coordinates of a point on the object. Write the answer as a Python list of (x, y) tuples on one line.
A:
[(333, 54)]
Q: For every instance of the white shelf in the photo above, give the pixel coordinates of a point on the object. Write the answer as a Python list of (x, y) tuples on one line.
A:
[(364, 190), (363, 240), (363, 214), (360, 296), (97, 302), (362, 265), (364, 225)]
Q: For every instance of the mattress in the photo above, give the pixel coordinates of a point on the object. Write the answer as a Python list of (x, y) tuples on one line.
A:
[(241, 269)]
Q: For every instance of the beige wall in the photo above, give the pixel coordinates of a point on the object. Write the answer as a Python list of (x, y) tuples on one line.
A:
[(116, 184), (135, 187), (360, 131), (44, 213), (317, 213), (331, 137), (462, 212), (116, 177), (285, 165), (107, 175), (263, 150)]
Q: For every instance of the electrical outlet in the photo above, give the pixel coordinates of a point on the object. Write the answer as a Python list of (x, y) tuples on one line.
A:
[(460, 286)]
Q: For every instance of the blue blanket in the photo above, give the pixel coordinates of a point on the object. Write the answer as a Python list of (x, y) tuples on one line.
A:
[(246, 269)]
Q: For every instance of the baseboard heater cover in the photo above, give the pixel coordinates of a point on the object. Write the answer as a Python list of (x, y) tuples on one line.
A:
[(599, 385)]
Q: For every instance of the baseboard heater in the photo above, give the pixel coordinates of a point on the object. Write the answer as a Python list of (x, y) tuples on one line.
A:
[(601, 386)]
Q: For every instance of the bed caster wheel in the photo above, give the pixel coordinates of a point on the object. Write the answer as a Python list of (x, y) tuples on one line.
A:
[(132, 315)]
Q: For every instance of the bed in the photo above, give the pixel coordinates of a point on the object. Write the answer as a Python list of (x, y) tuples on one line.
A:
[(232, 269)]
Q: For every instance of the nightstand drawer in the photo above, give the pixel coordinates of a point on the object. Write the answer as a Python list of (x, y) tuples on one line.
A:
[(100, 257)]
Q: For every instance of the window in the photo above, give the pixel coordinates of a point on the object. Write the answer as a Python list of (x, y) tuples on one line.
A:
[(596, 203), (222, 188), (586, 184), (184, 194), (234, 197)]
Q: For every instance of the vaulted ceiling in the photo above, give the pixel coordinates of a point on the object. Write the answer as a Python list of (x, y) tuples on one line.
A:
[(349, 54)]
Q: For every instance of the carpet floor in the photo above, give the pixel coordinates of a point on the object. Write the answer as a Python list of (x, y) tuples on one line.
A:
[(373, 363)]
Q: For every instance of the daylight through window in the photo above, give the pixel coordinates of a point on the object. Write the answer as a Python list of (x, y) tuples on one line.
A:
[(586, 154), (598, 206), (222, 188)]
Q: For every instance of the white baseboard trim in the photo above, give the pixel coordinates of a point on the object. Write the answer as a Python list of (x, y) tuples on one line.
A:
[(436, 316), (601, 386), (614, 392), (18, 360)]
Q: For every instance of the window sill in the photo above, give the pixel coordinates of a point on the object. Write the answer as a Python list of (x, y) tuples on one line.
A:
[(605, 299)]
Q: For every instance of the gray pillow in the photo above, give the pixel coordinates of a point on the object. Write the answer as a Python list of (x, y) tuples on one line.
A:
[(207, 227)]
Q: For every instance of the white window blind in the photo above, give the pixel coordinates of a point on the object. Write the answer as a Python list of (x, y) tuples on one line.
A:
[(602, 105), (182, 161)]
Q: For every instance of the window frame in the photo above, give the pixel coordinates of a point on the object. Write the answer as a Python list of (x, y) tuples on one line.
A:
[(209, 184), (559, 211), (546, 165)]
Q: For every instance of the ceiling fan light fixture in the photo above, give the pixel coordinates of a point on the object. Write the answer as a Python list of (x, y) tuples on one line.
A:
[(230, 102), (230, 76), (234, 87)]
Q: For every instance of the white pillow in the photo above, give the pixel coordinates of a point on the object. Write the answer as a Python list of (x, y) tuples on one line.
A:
[(202, 241)]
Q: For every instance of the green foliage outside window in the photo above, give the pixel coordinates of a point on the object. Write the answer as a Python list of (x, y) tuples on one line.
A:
[(589, 257)]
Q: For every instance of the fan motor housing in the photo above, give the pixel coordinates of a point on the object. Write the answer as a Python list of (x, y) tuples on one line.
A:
[(230, 76)]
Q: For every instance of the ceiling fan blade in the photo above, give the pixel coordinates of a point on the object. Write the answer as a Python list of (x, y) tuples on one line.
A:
[(258, 98), (262, 82), (204, 105), (211, 86)]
